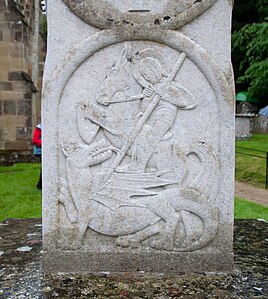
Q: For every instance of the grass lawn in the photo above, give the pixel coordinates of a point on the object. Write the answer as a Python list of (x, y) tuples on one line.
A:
[(251, 169), (19, 197), (245, 209)]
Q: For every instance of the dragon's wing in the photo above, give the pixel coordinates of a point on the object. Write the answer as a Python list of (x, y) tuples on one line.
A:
[(140, 180), (123, 186)]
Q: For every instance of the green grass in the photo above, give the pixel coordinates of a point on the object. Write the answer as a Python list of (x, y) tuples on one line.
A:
[(245, 209), (249, 169), (19, 197)]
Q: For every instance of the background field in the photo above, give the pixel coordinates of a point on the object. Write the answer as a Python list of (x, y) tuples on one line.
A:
[(19, 197), (249, 169)]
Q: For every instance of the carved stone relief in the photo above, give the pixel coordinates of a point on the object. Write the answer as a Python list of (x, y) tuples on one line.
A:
[(138, 122), (170, 14), (129, 175)]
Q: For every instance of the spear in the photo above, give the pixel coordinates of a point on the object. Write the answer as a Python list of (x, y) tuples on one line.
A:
[(131, 138)]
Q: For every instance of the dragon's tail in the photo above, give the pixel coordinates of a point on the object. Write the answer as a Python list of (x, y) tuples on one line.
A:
[(198, 195)]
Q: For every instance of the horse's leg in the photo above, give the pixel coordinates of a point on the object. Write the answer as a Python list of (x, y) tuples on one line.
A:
[(81, 227)]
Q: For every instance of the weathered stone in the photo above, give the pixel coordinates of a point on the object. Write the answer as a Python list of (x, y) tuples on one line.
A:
[(11, 15), (16, 49), (2, 145), (17, 64), (10, 107), (5, 63), (21, 85), (243, 125), (15, 76), (24, 107), (11, 95), (138, 137), (16, 145), (3, 50), (4, 134), (6, 86), (27, 77), (33, 87), (18, 36), (261, 124), (29, 123), (28, 95), (20, 53), (3, 76), (14, 121), (23, 133)]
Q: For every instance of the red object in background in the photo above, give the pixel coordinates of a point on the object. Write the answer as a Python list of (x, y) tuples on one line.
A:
[(37, 137)]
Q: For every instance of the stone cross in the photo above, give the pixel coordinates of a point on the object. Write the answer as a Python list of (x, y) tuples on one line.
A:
[(138, 138)]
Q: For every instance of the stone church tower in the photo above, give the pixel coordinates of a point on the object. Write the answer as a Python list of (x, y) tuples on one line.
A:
[(22, 54)]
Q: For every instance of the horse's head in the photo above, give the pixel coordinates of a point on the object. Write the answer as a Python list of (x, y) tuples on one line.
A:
[(117, 81)]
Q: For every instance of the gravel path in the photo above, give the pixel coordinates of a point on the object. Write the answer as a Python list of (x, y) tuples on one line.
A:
[(252, 193)]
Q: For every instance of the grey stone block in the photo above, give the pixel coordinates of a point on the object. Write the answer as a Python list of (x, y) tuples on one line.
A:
[(23, 134), (138, 128), (10, 107), (6, 86), (24, 107)]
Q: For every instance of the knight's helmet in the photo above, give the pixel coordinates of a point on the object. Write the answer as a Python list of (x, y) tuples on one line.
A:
[(149, 66), (152, 70)]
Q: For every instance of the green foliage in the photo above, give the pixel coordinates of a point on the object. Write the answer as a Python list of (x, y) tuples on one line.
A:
[(249, 210), (262, 8), (252, 40), (249, 169), (257, 142), (18, 193), (250, 47)]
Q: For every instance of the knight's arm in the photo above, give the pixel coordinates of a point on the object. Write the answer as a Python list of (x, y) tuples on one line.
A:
[(180, 97), (120, 100)]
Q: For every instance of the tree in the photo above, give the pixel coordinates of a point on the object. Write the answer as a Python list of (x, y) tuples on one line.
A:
[(250, 48)]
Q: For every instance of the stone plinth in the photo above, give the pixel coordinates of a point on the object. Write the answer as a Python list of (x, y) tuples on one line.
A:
[(138, 116)]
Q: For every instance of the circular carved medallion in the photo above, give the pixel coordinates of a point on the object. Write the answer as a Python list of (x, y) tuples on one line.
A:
[(169, 14)]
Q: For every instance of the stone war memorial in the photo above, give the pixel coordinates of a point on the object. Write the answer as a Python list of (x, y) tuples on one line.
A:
[(138, 116)]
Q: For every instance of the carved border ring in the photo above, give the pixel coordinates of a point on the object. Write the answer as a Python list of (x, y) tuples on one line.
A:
[(172, 39), (106, 15)]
